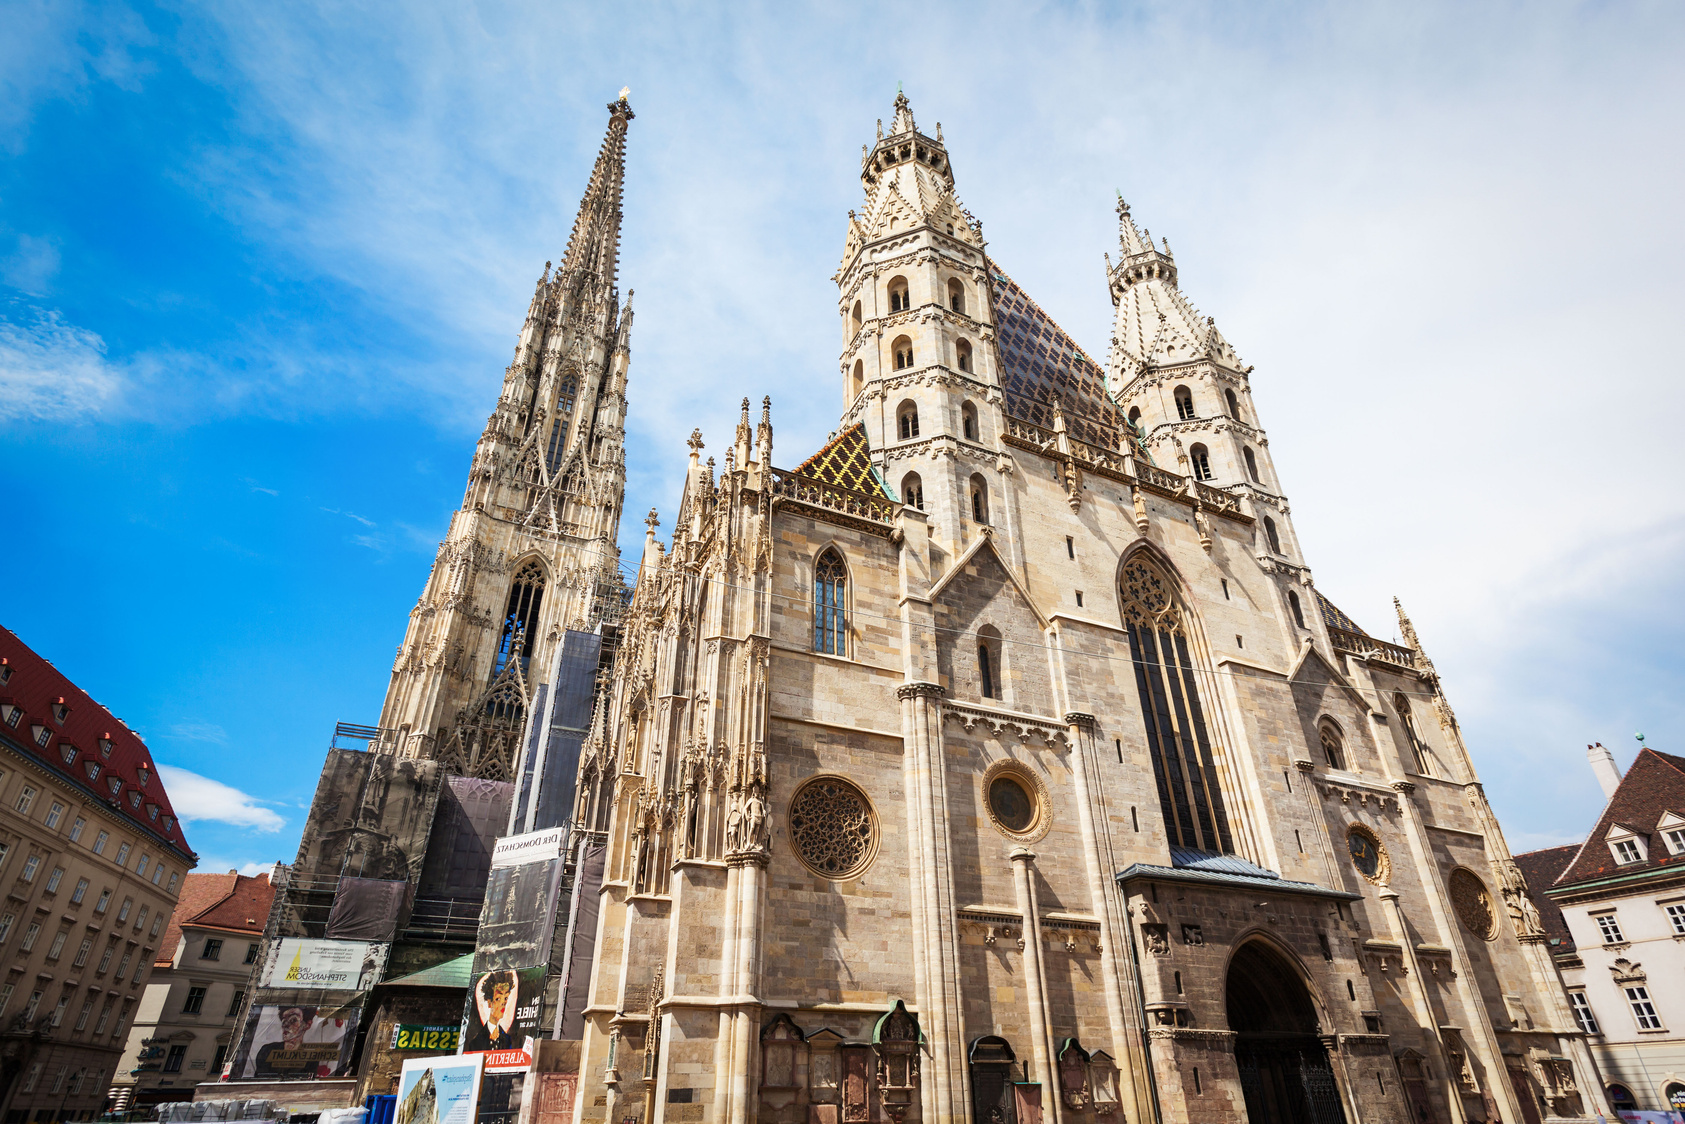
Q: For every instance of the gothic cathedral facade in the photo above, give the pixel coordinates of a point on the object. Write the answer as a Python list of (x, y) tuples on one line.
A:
[(1000, 763)]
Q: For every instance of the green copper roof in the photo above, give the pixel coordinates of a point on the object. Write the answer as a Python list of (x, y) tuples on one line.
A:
[(452, 973)]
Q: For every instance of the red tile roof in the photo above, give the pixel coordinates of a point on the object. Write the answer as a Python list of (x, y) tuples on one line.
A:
[(1541, 868), (229, 903), (89, 749), (1655, 784)]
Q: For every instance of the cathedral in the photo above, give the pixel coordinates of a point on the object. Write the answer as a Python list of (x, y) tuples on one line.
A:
[(999, 763)]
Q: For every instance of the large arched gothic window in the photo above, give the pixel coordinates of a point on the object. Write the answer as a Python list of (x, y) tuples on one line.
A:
[(1183, 766), (830, 605), (520, 617)]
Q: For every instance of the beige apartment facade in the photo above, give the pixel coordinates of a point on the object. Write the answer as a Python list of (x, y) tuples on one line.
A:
[(184, 1028), (91, 861)]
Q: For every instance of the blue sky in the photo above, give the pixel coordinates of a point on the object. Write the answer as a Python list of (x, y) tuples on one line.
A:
[(261, 268)]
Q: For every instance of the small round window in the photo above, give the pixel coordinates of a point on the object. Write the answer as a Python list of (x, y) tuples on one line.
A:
[(1016, 801), (1011, 805)]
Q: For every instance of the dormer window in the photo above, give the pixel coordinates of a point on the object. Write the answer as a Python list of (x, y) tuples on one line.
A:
[(6, 665), (116, 784), (144, 776), (60, 711), (134, 799), (1671, 827), (68, 752), (1627, 845), (42, 735), (10, 714), (105, 746), (93, 769), (169, 822)]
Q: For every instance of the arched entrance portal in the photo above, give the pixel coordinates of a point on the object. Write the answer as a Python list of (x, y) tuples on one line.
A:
[(1284, 1070)]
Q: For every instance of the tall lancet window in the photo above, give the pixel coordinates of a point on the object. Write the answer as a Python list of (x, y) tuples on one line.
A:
[(520, 618), (1183, 767), (830, 600)]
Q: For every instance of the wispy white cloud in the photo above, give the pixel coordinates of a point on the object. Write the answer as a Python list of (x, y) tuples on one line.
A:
[(199, 732), (51, 369), (350, 515), (198, 798)]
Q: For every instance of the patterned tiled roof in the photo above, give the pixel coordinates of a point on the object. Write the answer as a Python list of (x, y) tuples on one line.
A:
[(1654, 786), (846, 462), (1334, 618), (1043, 365)]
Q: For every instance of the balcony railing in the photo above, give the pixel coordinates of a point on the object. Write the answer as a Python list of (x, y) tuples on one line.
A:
[(846, 501), (1360, 645)]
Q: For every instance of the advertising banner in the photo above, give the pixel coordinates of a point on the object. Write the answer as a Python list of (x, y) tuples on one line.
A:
[(502, 1009), (518, 918), (329, 965), (438, 1090), (283, 1043), (414, 1036), (533, 847)]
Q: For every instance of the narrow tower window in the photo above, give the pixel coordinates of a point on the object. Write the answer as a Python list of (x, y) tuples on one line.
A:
[(912, 490), (898, 297), (1417, 748), (1333, 745), (858, 382), (1298, 611), (1184, 403), (1251, 463), (903, 349), (855, 317), (968, 421), (830, 625), (520, 617), (1270, 536), (988, 661), (979, 500), (1184, 768), (1234, 404), (956, 296), (962, 350), (1135, 415), (907, 419), (1201, 458)]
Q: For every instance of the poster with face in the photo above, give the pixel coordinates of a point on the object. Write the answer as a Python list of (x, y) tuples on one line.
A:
[(503, 1009), (299, 1043)]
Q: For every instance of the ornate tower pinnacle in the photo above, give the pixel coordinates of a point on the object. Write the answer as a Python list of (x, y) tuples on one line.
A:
[(531, 552)]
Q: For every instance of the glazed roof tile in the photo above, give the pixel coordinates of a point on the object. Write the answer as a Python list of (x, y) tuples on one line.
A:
[(1043, 365), (1334, 618), (846, 462)]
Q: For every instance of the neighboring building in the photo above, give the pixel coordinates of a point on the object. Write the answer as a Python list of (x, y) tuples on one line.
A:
[(1614, 910), (185, 1025), (1000, 763), (91, 862)]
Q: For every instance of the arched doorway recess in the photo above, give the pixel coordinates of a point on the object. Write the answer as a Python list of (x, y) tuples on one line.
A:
[(1284, 1069)]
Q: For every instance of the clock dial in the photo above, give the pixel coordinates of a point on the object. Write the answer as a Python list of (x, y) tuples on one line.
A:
[(1364, 855)]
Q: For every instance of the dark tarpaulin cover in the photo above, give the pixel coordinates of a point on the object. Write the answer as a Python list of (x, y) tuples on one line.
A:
[(519, 916), (367, 909), (587, 883), (563, 718), (471, 816)]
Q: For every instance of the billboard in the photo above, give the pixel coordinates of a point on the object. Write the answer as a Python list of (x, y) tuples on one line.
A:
[(518, 918), (532, 847), (295, 962), (415, 1036), (300, 1043), (438, 1090), (502, 1009)]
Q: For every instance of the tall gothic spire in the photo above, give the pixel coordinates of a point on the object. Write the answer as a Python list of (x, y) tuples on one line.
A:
[(594, 248)]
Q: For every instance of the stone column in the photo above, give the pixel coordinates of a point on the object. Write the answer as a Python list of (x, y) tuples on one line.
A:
[(945, 1093), (1117, 970), (1035, 981), (1411, 967)]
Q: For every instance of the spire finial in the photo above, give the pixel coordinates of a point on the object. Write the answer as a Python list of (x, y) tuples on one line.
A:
[(652, 521), (695, 441)]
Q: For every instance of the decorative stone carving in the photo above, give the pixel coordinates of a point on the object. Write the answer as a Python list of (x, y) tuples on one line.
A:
[(1473, 904), (833, 829)]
